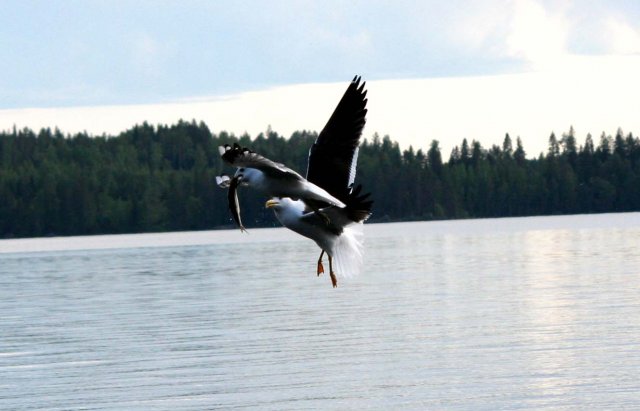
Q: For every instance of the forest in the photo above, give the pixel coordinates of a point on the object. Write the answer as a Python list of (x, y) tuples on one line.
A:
[(162, 178)]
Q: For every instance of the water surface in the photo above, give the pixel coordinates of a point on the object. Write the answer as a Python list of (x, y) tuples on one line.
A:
[(518, 313)]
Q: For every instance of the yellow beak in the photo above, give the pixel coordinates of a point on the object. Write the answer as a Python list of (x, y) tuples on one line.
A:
[(271, 203)]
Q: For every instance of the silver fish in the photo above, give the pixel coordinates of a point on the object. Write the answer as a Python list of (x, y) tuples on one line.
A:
[(234, 205)]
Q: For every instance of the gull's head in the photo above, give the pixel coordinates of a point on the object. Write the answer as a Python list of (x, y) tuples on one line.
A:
[(274, 203), (288, 211), (249, 175), (282, 203)]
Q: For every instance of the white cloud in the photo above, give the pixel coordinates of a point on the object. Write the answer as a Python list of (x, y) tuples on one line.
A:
[(537, 35), (480, 25), (543, 34), (593, 94), (624, 39)]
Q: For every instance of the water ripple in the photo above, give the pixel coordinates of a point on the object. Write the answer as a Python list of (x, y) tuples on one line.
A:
[(524, 313)]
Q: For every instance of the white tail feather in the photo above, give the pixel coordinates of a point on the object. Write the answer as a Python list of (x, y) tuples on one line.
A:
[(348, 251)]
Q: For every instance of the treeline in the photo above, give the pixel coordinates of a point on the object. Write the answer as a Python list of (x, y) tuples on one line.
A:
[(162, 178)]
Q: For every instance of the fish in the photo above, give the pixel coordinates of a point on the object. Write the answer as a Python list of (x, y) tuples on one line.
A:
[(234, 204), (224, 181)]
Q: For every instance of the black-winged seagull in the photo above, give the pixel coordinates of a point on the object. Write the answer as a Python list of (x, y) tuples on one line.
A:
[(271, 179), (332, 165), (324, 207)]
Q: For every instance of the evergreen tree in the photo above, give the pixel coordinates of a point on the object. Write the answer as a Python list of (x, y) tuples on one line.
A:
[(434, 159), (519, 155), (554, 146), (507, 146), (158, 178)]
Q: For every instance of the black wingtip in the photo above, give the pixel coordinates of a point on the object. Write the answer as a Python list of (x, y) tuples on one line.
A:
[(230, 154), (359, 206)]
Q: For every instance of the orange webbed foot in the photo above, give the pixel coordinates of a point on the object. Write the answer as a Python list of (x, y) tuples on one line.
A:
[(334, 280)]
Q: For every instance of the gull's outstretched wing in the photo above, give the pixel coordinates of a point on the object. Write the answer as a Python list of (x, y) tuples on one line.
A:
[(333, 156), (243, 157)]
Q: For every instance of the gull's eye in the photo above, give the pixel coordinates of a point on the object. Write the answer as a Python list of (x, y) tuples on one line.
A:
[(241, 170)]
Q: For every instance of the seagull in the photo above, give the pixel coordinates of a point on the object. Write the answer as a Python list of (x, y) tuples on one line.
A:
[(324, 207), (270, 178), (341, 238), (332, 165)]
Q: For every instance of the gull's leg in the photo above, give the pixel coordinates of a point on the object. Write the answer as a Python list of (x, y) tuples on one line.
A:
[(320, 266), (334, 281)]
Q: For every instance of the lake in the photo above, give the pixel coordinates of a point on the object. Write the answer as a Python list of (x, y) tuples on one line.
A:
[(514, 313)]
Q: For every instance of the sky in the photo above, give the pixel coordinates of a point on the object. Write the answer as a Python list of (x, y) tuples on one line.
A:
[(434, 70)]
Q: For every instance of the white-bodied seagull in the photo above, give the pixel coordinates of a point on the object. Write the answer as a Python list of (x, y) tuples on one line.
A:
[(271, 178), (335, 226)]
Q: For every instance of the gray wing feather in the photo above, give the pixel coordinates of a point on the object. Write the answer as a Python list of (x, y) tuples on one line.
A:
[(338, 219), (242, 157), (354, 165)]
